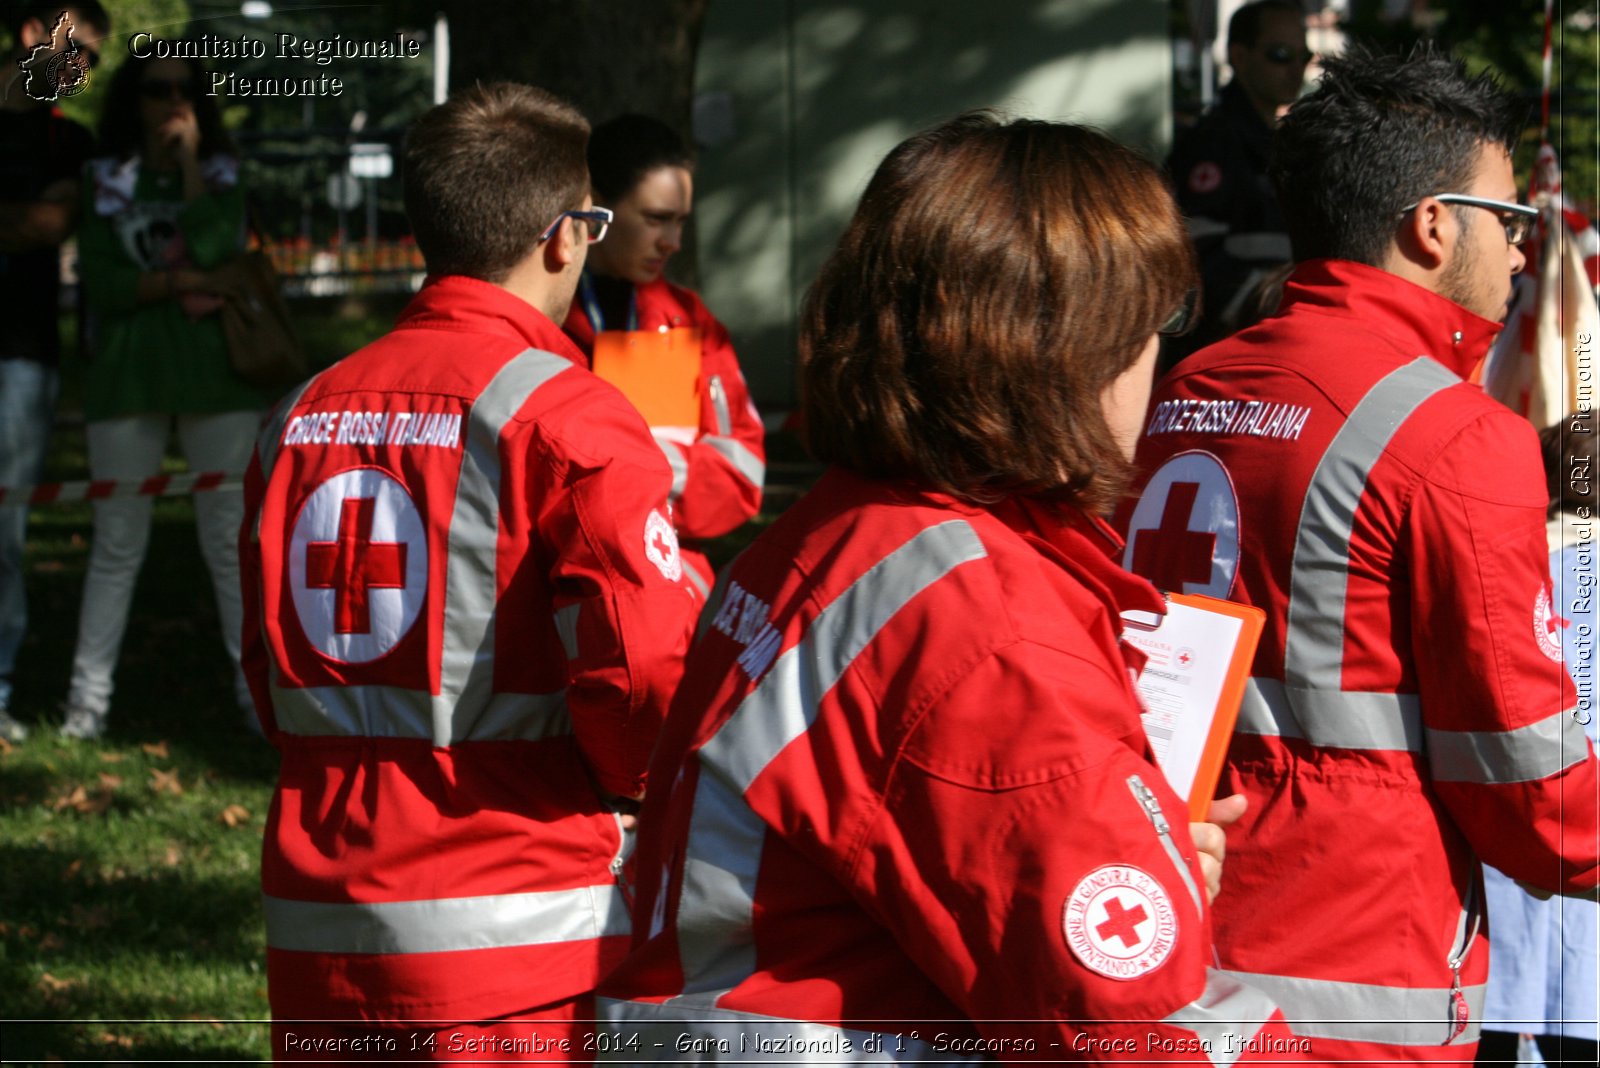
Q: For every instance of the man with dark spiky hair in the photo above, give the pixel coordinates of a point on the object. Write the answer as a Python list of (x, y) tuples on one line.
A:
[(465, 615), (1408, 712)]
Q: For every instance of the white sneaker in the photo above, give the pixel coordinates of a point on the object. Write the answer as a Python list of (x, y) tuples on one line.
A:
[(10, 729), (83, 724)]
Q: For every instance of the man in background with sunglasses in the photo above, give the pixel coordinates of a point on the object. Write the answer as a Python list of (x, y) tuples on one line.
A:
[(41, 154), (1219, 166), (466, 612), (1408, 711)]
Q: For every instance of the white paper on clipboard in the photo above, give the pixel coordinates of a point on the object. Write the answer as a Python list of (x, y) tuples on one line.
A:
[(1198, 658)]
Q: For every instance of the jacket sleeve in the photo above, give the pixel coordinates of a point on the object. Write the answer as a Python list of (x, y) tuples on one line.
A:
[(623, 608), (1505, 747), (1041, 872), (717, 480)]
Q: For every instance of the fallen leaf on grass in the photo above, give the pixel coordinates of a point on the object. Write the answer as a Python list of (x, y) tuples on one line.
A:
[(78, 799), (73, 869), (214, 1023), (234, 815), (109, 781), (173, 856), (109, 1039), (156, 749), (165, 781), (5, 747), (112, 758), (57, 990), (51, 942), (74, 799)]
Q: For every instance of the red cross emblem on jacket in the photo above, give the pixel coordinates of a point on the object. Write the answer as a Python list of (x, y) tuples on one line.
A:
[(358, 566)]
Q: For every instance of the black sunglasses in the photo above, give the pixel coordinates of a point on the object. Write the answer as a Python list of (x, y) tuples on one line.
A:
[(1283, 54), (164, 88)]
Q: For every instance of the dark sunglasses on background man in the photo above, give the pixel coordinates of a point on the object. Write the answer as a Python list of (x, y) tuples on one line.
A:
[(1285, 55)]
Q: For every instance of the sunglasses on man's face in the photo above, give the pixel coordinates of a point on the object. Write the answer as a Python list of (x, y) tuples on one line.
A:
[(1284, 55), (166, 88)]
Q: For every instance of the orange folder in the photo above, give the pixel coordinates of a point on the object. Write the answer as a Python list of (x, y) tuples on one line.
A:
[(1199, 659), (658, 370)]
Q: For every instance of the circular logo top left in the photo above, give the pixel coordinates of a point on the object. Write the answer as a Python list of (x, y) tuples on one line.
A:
[(358, 565)]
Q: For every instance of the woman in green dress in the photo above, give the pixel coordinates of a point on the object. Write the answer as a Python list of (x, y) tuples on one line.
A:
[(163, 210)]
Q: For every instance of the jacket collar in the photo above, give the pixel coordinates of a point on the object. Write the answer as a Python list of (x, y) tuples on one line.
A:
[(1414, 319), (1087, 547), (458, 302)]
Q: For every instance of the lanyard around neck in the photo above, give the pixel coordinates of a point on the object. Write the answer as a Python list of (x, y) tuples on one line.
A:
[(591, 304)]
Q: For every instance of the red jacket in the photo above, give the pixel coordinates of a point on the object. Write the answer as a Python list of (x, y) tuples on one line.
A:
[(464, 612), (717, 467), (904, 798), (1408, 712)]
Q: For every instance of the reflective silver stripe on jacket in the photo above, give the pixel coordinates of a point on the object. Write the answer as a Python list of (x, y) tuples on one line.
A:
[(699, 581), (1319, 573), (719, 406), (445, 925), (674, 1033), (1525, 754), (1345, 719), (465, 709), (723, 852), (1362, 1012), (1310, 704), (395, 712), (1227, 1014), (271, 434), (678, 465), (742, 460), (466, 656)]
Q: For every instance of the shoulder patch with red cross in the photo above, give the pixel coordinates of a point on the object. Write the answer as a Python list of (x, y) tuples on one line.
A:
[(1120, 922)]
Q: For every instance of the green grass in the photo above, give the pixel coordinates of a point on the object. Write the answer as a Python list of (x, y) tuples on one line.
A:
[(130, 887), (123, 899)]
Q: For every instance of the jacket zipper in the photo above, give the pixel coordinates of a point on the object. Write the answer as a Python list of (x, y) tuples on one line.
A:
[(1466, 934), (619, 862), (1158, 819)]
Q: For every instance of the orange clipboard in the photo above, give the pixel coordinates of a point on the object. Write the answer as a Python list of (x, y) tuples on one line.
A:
[(1198, 660), (657, 370)]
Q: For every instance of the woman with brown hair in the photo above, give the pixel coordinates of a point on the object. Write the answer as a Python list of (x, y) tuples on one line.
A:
[(905, 778)]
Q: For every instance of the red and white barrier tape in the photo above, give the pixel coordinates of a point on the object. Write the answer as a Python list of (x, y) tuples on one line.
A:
[(107, 489)]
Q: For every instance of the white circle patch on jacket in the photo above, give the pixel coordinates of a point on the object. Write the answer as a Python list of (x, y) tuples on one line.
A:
[(661, 546), (1119, 921), (358, 565), (1184, 533), (1545, 624)]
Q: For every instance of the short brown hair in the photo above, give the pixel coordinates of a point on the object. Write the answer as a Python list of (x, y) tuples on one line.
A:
[(487, 171), (995, 279)]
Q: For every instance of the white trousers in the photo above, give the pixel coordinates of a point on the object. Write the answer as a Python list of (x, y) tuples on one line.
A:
[(130, 448)]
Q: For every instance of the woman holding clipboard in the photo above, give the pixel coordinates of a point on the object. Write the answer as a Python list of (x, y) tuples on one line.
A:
[(903, 807), (657, 342)]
